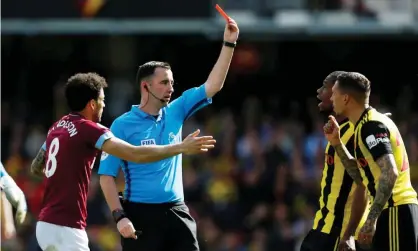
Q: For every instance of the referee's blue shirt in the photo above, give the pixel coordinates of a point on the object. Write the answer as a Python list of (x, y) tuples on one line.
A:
[(161, 181), (2, 171)]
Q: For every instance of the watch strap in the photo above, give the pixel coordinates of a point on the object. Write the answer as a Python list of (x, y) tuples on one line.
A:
[(118, 215), (229, 44)]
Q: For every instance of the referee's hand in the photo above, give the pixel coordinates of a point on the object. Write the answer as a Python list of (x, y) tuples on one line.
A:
[(193, 144), (126, 228)]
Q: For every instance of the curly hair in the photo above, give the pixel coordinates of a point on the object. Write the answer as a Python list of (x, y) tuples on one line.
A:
[(81, 88)]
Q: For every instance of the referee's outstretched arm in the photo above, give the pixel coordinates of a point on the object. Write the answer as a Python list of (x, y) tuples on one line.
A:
[(217, 76)]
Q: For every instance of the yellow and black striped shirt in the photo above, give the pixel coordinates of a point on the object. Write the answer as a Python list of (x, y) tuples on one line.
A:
[(336, 189), (376, 135)]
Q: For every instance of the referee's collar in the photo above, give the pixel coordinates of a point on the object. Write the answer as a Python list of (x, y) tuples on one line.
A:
[(136, 110)]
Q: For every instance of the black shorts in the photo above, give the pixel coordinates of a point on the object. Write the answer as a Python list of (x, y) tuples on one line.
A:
[(164, 227), (315, 240), (397, 229), (359, 248)]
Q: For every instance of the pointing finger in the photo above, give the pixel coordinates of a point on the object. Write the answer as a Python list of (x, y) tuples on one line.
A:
[(333, 120)]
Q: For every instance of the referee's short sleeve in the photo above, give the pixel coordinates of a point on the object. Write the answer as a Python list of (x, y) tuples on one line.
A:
[(192, 100), (109, 164), (2, 171)]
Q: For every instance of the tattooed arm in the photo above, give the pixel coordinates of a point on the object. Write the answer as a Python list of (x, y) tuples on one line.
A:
[(345, 152), (349, 162), (38, 164), (376, 138), (387, 179)]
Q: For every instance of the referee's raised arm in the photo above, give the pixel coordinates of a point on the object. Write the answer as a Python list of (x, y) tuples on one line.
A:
[(217, 76)]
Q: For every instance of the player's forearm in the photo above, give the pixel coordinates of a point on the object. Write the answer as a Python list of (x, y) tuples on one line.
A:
[(154, 153), (358, 207), (8, 230), (110, 192), (349, 162), (218, 74), (140, 154), (13, 193), (38, 163), (387, 179)]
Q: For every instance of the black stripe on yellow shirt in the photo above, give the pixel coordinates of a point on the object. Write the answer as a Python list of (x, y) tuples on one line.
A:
[(328, 183), (367, 172), (344, 193), (327, 188)]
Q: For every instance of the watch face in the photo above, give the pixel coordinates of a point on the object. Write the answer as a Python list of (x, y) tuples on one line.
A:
[(117, 214)]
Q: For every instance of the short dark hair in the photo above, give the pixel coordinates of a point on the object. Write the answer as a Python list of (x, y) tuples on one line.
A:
[(148, 69), (332, 77), (355, 83), (81, 88)]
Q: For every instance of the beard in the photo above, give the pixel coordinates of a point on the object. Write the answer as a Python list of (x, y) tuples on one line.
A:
[(97, 117)]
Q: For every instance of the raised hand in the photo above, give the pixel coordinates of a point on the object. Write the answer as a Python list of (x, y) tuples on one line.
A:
[(193, 144), (332, 131), (231, 31)]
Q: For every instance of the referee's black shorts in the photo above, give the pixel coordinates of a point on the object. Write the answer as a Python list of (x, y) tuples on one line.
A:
[(167, 226), (397, 229)]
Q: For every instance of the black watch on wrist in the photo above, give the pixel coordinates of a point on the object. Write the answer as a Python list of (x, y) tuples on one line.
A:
[(118, 215), (229, 44)]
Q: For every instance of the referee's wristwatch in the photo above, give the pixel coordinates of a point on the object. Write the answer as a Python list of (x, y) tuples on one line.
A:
[(229, 44), (118, 214)]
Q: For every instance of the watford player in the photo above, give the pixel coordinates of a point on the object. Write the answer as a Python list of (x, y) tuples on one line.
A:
[(333, 227), (380, 162)]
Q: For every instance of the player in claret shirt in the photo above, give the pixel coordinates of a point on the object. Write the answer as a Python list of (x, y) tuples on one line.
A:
[(67, 157)]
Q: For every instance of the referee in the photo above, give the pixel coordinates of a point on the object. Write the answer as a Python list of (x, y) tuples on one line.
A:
[(153, 202)]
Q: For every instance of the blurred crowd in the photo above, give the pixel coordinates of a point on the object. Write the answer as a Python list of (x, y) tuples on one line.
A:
[(363, 8), (257, 191)]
